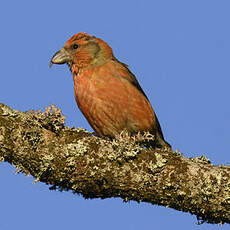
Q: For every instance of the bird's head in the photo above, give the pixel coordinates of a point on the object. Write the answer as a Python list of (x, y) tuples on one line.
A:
[(83, 50)]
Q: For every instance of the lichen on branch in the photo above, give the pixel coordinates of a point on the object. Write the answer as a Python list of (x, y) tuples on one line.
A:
[(39, 144)]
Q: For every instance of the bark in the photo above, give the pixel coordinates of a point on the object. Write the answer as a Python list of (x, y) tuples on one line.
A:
[(39, 144)]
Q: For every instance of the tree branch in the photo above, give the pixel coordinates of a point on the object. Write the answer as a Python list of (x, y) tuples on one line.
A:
[(39, 144)]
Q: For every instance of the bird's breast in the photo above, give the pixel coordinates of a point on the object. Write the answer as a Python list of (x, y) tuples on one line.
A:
[(111, 104)]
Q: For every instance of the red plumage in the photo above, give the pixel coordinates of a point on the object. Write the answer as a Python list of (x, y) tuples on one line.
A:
[(107, 93)]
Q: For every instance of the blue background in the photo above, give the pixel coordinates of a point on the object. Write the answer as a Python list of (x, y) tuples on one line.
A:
[(180, 53)]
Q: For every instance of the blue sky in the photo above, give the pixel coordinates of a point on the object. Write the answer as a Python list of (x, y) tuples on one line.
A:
[(180, 53)]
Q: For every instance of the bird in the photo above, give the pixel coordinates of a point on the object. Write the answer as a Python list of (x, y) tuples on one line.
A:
[(106, 91)]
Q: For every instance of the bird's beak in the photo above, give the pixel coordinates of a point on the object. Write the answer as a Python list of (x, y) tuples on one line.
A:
[(60, 57)]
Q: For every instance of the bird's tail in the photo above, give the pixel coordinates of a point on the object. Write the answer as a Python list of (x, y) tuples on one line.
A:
[(160, 141), (159, 137)]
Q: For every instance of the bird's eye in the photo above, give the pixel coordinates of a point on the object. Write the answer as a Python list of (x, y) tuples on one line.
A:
[(75, 46)]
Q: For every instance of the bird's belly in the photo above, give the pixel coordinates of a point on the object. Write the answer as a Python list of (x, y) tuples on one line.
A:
[(113, 105)]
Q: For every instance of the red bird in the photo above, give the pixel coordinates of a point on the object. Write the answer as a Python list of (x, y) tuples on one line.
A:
[(106, 91)]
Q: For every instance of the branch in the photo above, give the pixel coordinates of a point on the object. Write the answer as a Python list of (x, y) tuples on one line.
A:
[(39, 144)]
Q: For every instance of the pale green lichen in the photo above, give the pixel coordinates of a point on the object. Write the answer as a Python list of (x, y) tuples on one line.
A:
[(202, 159), (228, 199), (124, 146), (79, 148), (73, 150), (1, 138), (78, 130), (51, 119), (21, 169), (46, 165), (182, 193), (6, 111), (160, 161)]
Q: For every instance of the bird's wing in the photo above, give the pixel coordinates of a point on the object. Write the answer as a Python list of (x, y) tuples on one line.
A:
[(131, 77)]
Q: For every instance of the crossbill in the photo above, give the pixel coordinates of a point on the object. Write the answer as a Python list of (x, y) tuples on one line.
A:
[(106, 91)]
